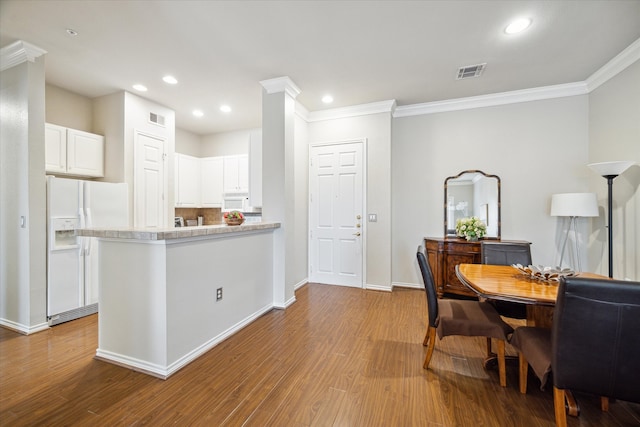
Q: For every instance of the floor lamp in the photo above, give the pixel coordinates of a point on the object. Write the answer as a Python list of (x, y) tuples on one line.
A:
[(610, 170), (573, 205)]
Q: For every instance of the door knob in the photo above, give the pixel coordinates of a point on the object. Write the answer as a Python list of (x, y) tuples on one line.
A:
[(356, 234), (358, 217)]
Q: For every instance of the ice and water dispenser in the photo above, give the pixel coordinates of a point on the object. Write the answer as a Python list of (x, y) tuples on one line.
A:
[(63, 235)]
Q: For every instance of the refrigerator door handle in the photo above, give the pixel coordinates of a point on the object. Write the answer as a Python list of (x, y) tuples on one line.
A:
[(82, 240)]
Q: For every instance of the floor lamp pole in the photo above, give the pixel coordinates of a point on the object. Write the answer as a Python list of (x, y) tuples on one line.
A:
[(609, 220)]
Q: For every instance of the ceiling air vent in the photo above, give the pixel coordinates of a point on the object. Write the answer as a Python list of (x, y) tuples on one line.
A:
[(157, 119), (470, 71)]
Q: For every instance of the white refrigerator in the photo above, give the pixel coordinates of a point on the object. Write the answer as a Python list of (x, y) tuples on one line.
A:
[(72, 261)]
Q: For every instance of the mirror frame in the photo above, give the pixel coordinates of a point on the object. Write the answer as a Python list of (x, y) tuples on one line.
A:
[(446, 231)]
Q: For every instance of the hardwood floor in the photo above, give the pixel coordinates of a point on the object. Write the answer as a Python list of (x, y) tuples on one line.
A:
[(337, 357)]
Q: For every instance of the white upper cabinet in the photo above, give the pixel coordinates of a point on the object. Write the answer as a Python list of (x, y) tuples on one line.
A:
[(187, 181), (236, 174), (85, 153), (212, 176), (73, 152), (55, 148)]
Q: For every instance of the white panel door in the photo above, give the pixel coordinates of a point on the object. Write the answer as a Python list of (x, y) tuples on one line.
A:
[(336, 209), (149, 183)]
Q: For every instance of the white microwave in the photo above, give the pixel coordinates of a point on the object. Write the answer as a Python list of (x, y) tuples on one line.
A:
[(234, 202)]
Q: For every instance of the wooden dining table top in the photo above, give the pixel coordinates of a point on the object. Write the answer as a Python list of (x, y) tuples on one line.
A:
[(504, 282)]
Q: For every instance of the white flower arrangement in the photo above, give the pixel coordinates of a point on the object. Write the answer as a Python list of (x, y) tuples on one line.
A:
[(471, 228)]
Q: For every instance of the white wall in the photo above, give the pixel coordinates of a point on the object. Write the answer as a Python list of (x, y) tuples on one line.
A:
[(225, 143), (68, 109), (22, 188), (536, 148), (117, 117), (298, 271), (376, 129), (614, 134), (187, 143)]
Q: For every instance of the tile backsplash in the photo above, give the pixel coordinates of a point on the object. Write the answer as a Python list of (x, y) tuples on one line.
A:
[(210, 216)]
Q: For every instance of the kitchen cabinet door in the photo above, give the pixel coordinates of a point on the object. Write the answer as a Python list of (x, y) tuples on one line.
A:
[(73, 152), (85, 153), (55, 148), (212, 176), (188, 187), (236, 174)]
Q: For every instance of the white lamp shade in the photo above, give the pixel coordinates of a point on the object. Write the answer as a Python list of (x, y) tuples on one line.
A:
[(574, 204), (611, 168)]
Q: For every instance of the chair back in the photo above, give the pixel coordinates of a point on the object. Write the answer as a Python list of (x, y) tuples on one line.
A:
[(498, 253), (595, 337), (429, 287)]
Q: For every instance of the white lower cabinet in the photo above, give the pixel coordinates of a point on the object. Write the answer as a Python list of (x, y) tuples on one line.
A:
[(73, 152)]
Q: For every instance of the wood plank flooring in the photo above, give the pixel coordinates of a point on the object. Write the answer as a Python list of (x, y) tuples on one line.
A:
[(337, 357)]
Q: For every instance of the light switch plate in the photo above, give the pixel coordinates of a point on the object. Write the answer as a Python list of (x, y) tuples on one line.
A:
[(373, 217)]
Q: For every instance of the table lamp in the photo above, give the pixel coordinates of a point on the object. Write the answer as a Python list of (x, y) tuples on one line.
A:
[(573, 205), (610, 170)]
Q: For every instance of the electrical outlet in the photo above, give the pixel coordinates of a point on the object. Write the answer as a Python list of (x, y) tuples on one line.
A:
[(218, 294)]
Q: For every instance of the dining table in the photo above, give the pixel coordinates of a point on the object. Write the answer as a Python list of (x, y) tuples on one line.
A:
[(508, 283)]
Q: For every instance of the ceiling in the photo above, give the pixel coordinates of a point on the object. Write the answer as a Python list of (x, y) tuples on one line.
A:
[(359, 51)]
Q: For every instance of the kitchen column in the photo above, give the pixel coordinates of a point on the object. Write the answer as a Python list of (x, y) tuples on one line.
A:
[(278, 184)]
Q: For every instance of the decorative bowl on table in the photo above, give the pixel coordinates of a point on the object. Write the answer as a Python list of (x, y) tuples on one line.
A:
[(544, 274), (233, 218)]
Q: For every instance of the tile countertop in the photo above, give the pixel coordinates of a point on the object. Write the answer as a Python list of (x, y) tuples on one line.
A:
[(134, 233)]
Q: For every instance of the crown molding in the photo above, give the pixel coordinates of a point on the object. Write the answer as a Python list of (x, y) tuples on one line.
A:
[(353, 111), (281, 84), (492, 100), (18, 52), (621, 61)]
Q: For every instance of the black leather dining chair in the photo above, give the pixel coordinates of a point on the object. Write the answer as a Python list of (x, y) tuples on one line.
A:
[(461, 317), (594, 341), (507, 253)]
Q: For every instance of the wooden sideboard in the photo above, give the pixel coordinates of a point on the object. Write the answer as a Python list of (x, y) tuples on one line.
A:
[(443, 254)]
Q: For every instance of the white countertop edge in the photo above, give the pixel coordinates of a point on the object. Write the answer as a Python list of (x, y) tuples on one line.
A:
[(147, 234)]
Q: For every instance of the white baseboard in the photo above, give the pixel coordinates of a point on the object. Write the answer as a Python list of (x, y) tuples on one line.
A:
[(407, 285), (378, 288), (301, 283), (23, 329), (164, 372)]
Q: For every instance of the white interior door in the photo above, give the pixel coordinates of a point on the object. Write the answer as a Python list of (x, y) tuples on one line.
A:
[(149, 182), (336, 210)]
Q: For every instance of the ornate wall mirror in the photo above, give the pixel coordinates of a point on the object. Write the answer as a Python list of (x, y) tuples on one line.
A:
[(472, 193)]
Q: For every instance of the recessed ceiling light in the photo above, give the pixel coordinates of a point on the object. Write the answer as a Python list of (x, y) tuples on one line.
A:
[(140, 88), (327, 99), (198, 113), (518, 25), (170, 79), (72, 32), (225, 109)]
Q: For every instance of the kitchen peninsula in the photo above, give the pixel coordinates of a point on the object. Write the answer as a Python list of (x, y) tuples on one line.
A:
[(169, 295)]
